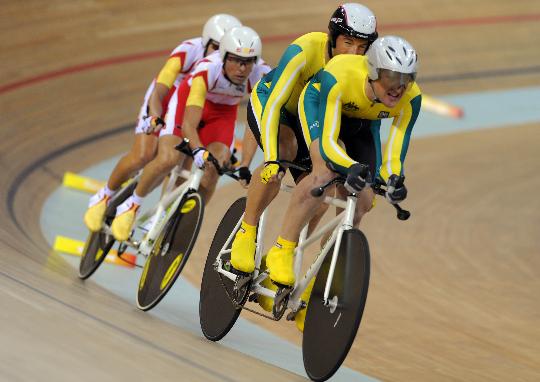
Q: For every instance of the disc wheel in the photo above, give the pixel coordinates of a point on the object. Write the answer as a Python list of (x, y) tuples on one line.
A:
[(170, 252), (96, 248), (329, 333), (98, 244), (217, 311)]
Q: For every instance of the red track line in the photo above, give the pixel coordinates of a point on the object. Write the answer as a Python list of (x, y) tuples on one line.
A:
[(268, 39)]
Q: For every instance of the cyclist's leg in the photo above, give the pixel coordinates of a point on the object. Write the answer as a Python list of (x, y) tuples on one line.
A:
[(142, 152), (217, 135), (362, 143), (302, 208), (259, 195), (221, 152), (153, 174)]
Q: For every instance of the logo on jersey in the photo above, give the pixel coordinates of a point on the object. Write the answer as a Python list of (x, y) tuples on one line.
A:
[(383, 114), (314, 125), (336, 20), (351, 106)]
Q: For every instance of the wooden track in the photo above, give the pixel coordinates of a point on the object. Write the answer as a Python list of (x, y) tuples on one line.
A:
[(454, 292)]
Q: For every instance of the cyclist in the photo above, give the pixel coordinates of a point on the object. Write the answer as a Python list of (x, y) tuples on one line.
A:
[(272, 114), (206, 105), (180, 62), (341, 111)]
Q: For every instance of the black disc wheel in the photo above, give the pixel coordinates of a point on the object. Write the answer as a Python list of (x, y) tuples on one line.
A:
[(217, 311), (170, 252), (329, 331), (95, 251)]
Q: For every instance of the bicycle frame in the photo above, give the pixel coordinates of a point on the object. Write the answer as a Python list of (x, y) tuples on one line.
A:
[(338, 224), (168, 204)]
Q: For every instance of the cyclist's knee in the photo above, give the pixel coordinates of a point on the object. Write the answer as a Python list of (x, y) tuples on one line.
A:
[(144, 157), (288, 146), (167, 159), (210, 175), (363, 205)]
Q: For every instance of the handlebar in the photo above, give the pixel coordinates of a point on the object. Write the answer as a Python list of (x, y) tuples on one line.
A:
[(183, 147), (377, 186), (290, 164)]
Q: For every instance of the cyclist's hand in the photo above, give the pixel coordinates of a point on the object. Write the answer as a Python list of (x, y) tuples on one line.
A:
[(395, 189), (152, 124), (245, 176), (272, 172), (357, 176), (200, 155)]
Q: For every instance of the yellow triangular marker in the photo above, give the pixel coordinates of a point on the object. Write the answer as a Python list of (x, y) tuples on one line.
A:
[(82, 183), (75, 247)]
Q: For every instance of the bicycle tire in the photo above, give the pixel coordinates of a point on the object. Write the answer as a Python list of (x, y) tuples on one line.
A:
[(328, 336), (170, 252), (217, 313), (91, 257)]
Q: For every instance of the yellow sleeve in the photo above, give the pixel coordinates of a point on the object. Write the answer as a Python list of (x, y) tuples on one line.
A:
[(197, 92), (398, 140), (330, 115), (170, 70), (284, 78)]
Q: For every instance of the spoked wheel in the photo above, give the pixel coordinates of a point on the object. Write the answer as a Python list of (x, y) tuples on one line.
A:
[(96, 248), (170, 252), (329, 332), (98, 244), (217, 311)]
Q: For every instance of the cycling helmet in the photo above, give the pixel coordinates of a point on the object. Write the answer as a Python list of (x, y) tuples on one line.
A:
[(393, 54), (241, 41), (216, 26), (353, 20)]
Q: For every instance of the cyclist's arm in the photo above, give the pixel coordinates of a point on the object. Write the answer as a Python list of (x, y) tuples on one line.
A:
[(398, 139), (330, 118), (249, 147), (164, 82), (194, 109), (285, 76)]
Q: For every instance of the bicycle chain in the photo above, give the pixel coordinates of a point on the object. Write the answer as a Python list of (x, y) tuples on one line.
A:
[(238, 306)]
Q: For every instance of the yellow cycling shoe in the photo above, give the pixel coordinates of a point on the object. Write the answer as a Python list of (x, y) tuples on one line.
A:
[(243, 248), (301, 315), (123, 222), (280, 262), (94, 215)]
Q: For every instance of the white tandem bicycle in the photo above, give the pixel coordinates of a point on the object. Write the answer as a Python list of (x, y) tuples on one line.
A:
[(175, 224), (339, 293)]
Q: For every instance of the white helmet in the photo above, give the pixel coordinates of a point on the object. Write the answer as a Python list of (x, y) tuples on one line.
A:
[(241, 41), (217, 25), (353, 20), (392, 53)]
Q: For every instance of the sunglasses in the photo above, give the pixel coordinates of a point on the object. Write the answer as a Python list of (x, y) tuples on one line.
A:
[(237, 60), (390, 78)]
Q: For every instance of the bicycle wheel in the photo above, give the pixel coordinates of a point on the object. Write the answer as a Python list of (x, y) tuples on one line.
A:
[(217, 313), (328, 336), (170, 252), (98, 244)]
